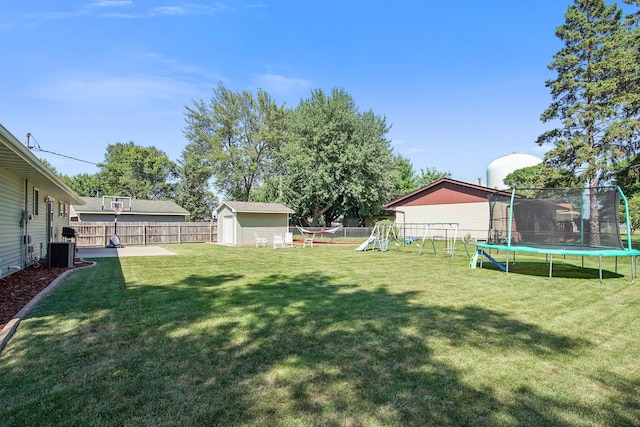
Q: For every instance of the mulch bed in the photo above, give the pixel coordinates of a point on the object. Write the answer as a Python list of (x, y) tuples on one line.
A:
[(17, 289)]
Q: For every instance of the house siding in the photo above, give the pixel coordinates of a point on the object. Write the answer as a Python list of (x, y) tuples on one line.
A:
[(20, 173), (11, 208), (60, 219), (37, 227), (473, 218), (447, 200), (247, 224), (265, 224)]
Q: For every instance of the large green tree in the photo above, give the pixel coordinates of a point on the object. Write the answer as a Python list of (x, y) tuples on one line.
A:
[(336, 160), (85, 185), (193, 190), (241, 132), (587, 102), (429, 175), (138, 172), (406, 180), (540, 176)]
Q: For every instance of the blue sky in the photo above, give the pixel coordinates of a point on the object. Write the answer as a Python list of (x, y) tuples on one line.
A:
[(461, 83)]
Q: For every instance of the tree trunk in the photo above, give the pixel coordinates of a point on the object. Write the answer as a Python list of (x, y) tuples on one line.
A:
[(594, 216)]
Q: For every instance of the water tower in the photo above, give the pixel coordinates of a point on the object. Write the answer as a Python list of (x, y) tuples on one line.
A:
[(498, 169)]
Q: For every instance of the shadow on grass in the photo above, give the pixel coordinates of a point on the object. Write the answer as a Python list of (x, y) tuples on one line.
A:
[(293, 349), (561, 269), (366, 354)]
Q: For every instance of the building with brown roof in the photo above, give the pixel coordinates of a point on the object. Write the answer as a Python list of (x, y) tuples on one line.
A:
[(447, 201)]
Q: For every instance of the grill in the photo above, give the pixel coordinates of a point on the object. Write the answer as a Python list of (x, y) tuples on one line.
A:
[(68, 232)]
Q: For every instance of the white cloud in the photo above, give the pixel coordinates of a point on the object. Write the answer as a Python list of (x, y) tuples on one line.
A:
[(111, 3), (107, 9), (415, 150), (190, 9), (125, 92), (186, 71), (282, 85), (169, 10)]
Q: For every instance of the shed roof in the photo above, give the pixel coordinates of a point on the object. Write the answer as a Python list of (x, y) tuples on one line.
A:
[(93, 205), (16, 158), (255, 207)]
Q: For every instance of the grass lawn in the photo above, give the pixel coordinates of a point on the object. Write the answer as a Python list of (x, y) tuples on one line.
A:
[(327, 336)]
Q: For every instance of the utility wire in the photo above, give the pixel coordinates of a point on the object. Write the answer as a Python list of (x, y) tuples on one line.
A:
[(37, 147)]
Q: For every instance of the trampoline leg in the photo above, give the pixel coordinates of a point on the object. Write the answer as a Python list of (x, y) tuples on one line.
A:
[(507, 264), (616, 265), (550, 265), (600, 267)]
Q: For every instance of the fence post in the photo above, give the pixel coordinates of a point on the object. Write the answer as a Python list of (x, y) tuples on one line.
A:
[(144, 234)]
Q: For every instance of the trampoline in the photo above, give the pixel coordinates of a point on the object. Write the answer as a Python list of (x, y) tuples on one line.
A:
[(581, 222)]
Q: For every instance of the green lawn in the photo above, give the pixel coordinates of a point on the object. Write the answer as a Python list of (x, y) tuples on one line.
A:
[(327, 336)]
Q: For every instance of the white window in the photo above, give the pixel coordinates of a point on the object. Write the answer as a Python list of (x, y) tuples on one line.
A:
[(36, 201)]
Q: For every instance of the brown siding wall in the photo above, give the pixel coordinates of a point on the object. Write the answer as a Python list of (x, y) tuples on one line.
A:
[(448, 194)]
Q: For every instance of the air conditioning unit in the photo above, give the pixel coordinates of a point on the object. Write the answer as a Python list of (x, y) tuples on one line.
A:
[(61, 254)]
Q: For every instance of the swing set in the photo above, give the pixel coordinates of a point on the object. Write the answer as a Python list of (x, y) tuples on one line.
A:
[(401, 235)]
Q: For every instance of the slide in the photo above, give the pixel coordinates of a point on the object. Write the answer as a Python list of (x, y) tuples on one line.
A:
[(363, 246), (490, 258)]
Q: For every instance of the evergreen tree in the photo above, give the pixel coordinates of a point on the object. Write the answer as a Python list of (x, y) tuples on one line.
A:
[(587, 99)]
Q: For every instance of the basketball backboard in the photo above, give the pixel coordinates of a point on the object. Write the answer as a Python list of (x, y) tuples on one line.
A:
[(116, 204)]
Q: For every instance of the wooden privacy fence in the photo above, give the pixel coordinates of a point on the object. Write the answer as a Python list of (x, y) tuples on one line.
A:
[(98, 234), (145, 233)]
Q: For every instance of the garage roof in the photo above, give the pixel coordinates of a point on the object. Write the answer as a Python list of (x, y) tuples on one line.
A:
[(93, 205), (255, 207)]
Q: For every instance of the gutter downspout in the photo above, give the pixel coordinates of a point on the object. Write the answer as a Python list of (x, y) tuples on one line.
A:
[(24, 221)]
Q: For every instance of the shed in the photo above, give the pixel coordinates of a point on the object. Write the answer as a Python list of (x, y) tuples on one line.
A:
[(239, 222), (35, 205), (447, 200), (96, 209)]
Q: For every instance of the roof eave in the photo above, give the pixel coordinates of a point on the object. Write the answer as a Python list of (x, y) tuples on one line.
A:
[(24, 157), (399, 200)]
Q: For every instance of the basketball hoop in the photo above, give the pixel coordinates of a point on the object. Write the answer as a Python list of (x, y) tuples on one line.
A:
[(117, 206)]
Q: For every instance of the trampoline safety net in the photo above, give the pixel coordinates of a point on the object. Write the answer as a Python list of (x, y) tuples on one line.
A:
[(556, 218)]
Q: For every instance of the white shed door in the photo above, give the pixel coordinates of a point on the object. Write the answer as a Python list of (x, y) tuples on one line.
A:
[(227, 226)]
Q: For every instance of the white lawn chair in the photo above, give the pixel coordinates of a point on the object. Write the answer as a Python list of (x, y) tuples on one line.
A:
[(278, 241), (261, 241), (308, 240), (288, 240)]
